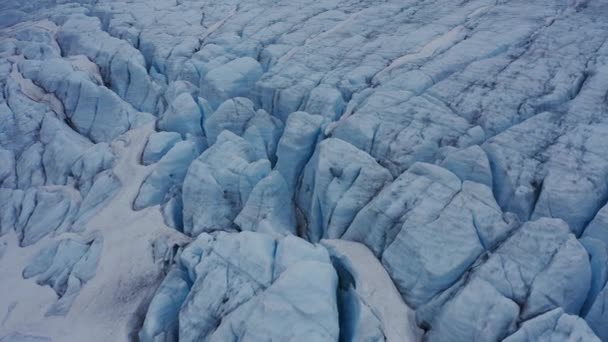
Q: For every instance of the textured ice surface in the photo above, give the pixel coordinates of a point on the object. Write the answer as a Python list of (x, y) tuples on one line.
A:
[(189, 170), (247, 286), (268, 208), (374, 294), (65, 266), (540, 267), (158, 145), (218, 183), (554, 325), (334, 188), (235, 78), (167, 174)]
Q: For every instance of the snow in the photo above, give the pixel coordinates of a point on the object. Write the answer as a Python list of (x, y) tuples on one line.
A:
[(377, 291), (96, 159), (167, 174), (159, 143), (65, 266), (102, 309)]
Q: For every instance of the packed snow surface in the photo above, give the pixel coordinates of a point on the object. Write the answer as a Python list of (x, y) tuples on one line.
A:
[(335, 170)]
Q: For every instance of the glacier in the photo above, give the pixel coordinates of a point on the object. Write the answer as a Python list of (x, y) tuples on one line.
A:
[(335, 170)]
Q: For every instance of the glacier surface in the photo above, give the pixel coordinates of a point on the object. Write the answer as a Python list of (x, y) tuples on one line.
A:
[(335, 170)]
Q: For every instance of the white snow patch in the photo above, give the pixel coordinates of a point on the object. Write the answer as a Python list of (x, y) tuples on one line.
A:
[(378, 291), (126, 274)]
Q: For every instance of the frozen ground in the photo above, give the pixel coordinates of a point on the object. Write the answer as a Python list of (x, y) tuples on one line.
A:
[(336, 170)]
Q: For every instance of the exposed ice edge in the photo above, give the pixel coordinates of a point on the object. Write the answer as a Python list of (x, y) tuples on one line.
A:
[(456, 154)]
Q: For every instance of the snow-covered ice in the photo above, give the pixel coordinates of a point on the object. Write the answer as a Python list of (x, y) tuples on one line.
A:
[(335, 170)]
